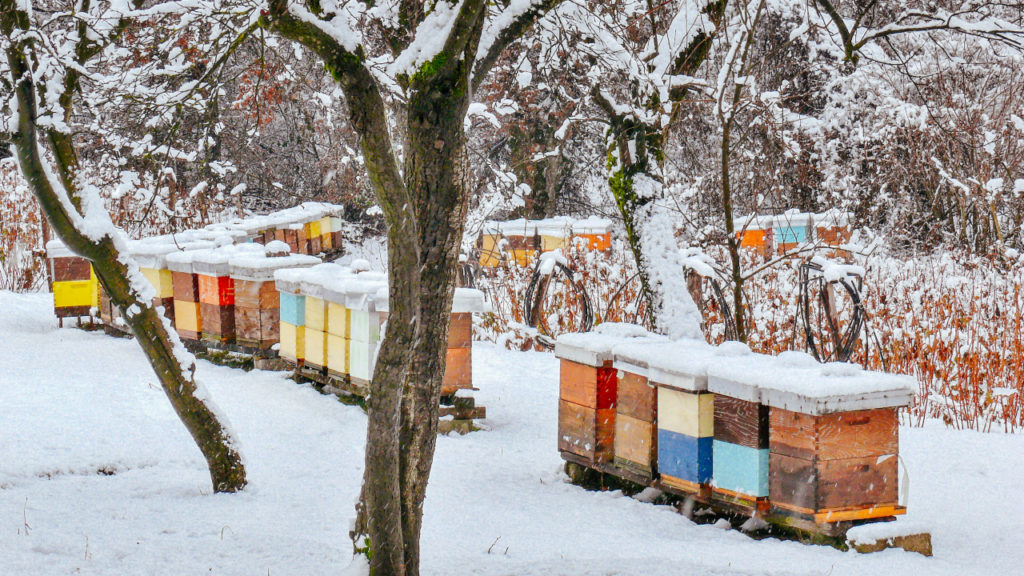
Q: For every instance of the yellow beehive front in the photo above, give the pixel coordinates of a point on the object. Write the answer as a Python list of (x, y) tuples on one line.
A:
[(315, 347), (337, 354), (548, 243), (186, 316), (313, 229), (161, 281), (316, 313), (293, 341), (338, 320), (490, 253), (73, 293)]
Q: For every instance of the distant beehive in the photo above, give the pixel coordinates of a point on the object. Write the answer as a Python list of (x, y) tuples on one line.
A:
[(755, 234), (833, 229), (75, 287), (521, 241), (791, 229)]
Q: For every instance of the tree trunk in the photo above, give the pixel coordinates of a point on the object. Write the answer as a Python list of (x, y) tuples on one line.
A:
[(122, 281)]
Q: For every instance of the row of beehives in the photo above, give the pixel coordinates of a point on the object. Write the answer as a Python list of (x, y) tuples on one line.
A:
[(332, 319), (307, 229), (521, 240), (784, 232), (780, 436)]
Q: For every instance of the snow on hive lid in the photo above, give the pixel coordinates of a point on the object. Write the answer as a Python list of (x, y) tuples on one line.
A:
[(679, 364), (595, 348), (57, 249), (796, 381), (592, 225), (752, 222), (832, 217), (214, 261), (153, 252), (261, 267), (468, 300), (793, 218)]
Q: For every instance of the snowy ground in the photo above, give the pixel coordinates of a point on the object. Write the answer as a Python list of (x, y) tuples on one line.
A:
[(98, 477)]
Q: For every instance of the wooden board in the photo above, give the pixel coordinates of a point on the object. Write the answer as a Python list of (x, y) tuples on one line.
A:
[(256, 294), (70, 268), (602, 242), (185, 286), (741, 422), (293, 342), (161, 280), (75, 293), (635, 441), (688, 413), (636, 397), (741, 469), (337, 354), (458, 373), (186, 316), (316, 313), (257, 327), (588, 386), (316, 348), (218, 290), (811, 486), (338, 321), (684, 457), (217, 322), (856, 434), (585, 431), (460, 331), (293, 309)]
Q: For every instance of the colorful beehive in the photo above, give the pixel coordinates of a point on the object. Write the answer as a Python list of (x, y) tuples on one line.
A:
[(316, 326), (833, 229), (741, 430), (636, 414), (589, 389), (185, 285), (834, 435), (755, 234), (293, 315), (217, 289), (597, 232), (365, 319), (792, 229), (458, 373), (338, 328), (257, 301), (685, 411), (151, 256), (75, 287)]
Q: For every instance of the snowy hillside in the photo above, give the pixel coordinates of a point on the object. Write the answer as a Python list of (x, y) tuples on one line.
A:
[(97, 476)]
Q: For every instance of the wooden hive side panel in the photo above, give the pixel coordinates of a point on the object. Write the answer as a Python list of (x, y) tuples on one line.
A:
[(869, 481), (635, 441), (247, 324), (793, 482), (585, 431), (741, 422), (857, 434), (185, 286), (578, 383), (458, 372), (793, 434), (460, 332), (247, 293), (636, 396)]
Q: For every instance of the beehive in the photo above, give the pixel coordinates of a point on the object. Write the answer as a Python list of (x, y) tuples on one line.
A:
[(755, 234), (293, 315), (596, 232), (636, 415), (257, 301), (741, 431), (217, 289), (792, 229), (338, 330), (588, 393), (365, 319), (685, 411), (185, 286), (75, 287), (834, 442), (458, 373), (833, 229)]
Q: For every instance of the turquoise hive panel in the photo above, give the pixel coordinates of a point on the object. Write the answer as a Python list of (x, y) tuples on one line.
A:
[(741, 468)]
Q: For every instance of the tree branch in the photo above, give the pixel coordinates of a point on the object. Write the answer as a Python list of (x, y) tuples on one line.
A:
[(512, 27)]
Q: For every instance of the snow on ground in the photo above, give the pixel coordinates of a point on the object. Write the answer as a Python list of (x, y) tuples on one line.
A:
[(98, 477)]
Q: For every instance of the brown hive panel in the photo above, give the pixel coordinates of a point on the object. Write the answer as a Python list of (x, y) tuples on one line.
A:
[(70, 268), (185, 286), (460, 332), (590, 386), (741, 422), (585, 431), (458, 373), (218, 322), (636, 397)]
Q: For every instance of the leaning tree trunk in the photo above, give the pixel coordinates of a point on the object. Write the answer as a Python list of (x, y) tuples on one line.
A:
[(121, 278)]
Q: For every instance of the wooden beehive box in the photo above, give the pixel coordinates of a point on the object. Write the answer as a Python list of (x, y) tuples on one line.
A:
[(741, 436), (833, 229), (185, 287), (75, 287), (293, 315), (458, 373), (685, 412), (217, 289), (755, 234), (257, 301), (587, 395), (338, 330), (636, 415), (365, 321), (596, 232), (792, 229)]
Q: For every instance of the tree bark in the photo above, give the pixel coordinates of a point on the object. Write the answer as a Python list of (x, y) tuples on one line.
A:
[(119, 276)]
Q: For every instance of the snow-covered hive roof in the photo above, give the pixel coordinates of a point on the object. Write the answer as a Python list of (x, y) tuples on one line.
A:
[(260, 266), (796, 381), (559, 226), (680, 364), (357, 288), (57, 249), (596, 347), (305, 212)]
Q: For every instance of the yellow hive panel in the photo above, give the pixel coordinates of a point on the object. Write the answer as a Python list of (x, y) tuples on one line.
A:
[(325, 226), (552, 242), (293, 341), (338, 320), (312, 229), (489, 253), (686, 413), (316, 314), (316, 347), (161, 281), (74, 293), (186, 316), (337, 354)]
